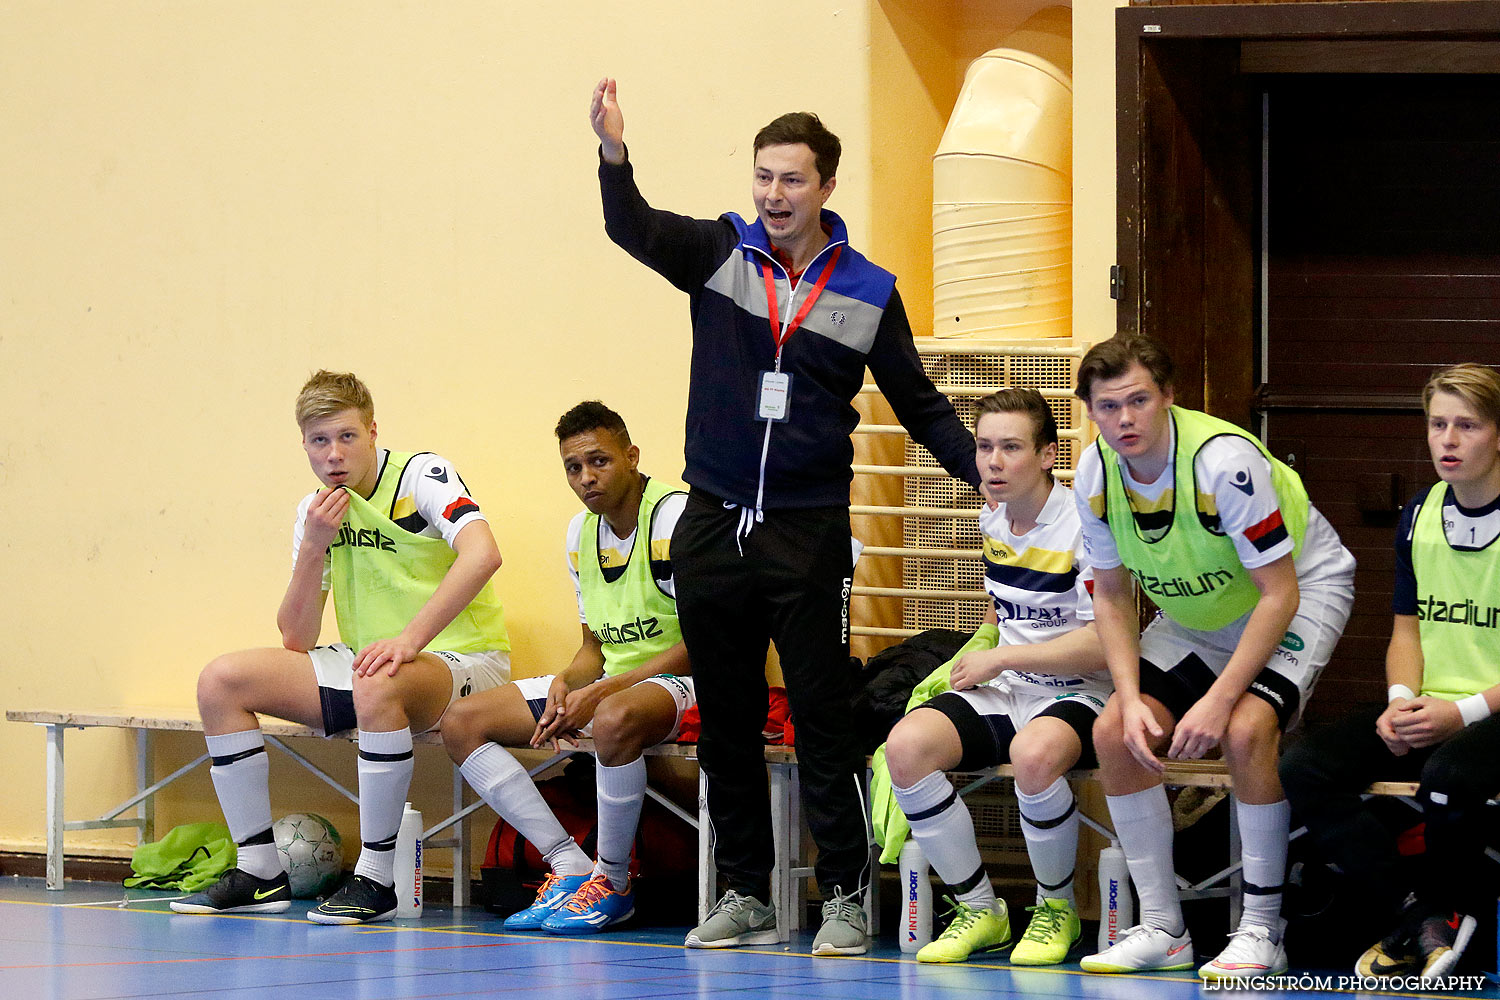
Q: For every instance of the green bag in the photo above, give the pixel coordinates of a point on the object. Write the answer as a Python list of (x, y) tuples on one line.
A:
[(190, 857), (887, 820)]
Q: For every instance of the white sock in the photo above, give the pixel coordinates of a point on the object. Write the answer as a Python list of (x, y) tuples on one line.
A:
[(1049, 821), (621, 789), (506, 788), (241, 774), (1263, 842), (385, 766), (1143, 824), (941, 824)]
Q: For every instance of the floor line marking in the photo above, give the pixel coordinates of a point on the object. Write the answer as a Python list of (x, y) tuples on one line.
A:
[(246, 958), (122, 904)]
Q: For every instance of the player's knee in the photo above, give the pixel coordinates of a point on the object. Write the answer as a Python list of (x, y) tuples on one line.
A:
[(1251, 737), (1037, 764), (221, 683), (377, 695), (618, 732), (1109, 736), (908, 755), (463, 730)]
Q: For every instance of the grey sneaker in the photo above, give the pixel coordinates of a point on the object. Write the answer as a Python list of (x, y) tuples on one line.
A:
[(846, 929), (735, 920)]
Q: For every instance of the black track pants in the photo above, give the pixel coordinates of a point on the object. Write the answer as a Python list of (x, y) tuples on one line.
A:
[(790, 586), (1324, 774)]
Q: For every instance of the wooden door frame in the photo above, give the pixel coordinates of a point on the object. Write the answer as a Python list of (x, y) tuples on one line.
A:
[(1183, 118)]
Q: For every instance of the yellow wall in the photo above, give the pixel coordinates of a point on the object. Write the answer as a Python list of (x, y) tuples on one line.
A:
[(208, 201), (1093, 168)]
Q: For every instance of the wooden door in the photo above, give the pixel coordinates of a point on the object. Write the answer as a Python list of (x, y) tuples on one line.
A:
[(1383, 219)]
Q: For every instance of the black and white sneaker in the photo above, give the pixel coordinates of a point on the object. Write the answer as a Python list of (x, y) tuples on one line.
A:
[(360, 900), (1441, 942), (238, 891)]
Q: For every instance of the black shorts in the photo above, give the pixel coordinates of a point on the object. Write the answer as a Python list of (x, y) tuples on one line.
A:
[(986, 737), (1185, 684)]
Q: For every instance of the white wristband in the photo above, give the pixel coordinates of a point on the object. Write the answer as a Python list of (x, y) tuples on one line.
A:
[(1399, 691), (1473, 709)]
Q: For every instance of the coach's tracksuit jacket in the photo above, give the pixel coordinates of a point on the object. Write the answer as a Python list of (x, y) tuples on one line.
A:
[(857, 321)]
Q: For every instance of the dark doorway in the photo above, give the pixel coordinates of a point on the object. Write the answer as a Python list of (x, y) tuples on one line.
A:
[(1383, 263)]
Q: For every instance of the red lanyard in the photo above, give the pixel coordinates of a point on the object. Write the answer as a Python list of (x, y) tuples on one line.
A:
[(778, 335)]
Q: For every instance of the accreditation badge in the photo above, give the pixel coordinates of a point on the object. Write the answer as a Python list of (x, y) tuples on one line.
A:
[(775, 396)]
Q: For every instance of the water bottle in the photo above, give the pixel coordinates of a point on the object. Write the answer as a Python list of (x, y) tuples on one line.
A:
[(915, 929), (1116, 908), (409, 864)]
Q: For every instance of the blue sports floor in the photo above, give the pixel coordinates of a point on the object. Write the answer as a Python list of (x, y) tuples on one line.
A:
[(95, 941)]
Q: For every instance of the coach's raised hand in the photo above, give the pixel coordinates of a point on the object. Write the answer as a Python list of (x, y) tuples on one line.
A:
[(608, 122)]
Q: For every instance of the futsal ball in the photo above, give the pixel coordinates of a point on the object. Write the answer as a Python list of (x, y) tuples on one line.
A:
[(311, 853)]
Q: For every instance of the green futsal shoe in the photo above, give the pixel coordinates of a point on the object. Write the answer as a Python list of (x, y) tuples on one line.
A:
[(969, 930)]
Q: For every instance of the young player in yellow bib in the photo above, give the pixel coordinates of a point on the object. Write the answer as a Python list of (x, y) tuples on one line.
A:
[(1443, 668), (408, 557), (1254, 588), (1027, 696), (627, 686)]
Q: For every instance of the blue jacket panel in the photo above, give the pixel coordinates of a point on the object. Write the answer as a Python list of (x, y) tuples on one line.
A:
[(857, 321)]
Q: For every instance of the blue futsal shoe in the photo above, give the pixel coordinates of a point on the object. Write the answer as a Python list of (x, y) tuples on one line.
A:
[(597, 905), (555, 891)]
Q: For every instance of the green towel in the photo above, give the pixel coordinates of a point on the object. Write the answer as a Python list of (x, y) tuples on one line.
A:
[(190, 857), (889, 823)]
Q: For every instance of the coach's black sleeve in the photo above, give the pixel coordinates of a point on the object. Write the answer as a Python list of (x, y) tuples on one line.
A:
[(925, 413), (683, 250)]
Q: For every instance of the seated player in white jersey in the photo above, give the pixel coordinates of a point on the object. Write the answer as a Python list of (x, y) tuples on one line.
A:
[(1439, 726), (1030, 700), (408, 557), (1254, 588), (627, 685)]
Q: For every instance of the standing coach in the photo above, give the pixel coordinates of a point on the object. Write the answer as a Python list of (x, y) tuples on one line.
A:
[(786, 317)]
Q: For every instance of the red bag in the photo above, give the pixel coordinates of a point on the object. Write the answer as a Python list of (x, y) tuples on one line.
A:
[(778, 730), (513, 869), (509, 850), (665, 849)]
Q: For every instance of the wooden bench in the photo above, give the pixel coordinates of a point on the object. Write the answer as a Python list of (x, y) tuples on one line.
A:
[(780, 761), (788, 878), (145, 721)]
